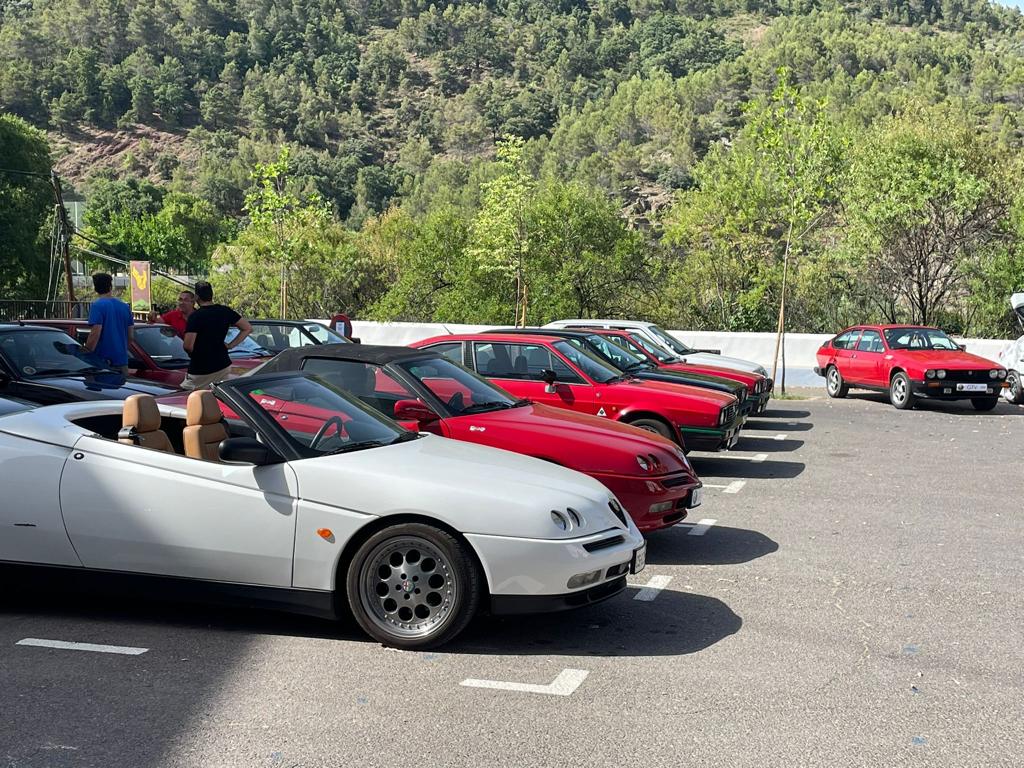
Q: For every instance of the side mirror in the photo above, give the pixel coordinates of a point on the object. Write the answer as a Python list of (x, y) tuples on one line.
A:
[(548, 376), (414, 410), (963, 347), (246, 450), (355, 339)]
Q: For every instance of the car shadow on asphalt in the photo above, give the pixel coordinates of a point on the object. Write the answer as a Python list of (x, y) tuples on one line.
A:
[(757, 425), (953, 407), (675, 623), (784, 413), (748, 443), (719, 545), (723, 466)]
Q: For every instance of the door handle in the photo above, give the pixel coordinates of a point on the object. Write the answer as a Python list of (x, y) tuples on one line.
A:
[(854, 354)]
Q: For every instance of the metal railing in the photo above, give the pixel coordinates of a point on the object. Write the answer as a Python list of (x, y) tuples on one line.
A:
[(12, 310)]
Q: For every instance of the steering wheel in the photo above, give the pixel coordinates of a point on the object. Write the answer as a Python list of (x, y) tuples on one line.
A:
[(320, 433), (456, 403)]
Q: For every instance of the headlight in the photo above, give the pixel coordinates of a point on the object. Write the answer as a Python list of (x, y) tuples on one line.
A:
[(993, 374), (929, 374), (559, 520), (644, 464), (1002, 374), (941, 374)]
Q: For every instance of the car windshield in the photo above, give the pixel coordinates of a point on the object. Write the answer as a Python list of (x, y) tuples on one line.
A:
[(669, 341), (587, 361), (317, 416), (461, 390), (619, 356), (919, 338), (324, 335), (248, 347), (32, 353), (162, 344), (637, 340)]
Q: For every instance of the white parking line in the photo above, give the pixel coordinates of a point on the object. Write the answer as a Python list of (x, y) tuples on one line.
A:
[(66, 646), (652, 588), (702, 527), (758, 458), (565, 684), (734, 487), (781, 437)]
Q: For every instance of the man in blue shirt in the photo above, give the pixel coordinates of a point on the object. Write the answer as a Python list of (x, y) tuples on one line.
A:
[(110, 326)]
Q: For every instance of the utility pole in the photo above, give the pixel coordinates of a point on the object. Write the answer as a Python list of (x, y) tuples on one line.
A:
[(63, 233)]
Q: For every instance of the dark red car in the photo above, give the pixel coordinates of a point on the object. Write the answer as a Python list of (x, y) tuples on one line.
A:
[(759, 388), (428, 392), (158, 354), (908, 362), (562, 372)]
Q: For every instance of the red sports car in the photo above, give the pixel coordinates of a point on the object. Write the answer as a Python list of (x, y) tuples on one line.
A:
[(427, 392), (157, 353), (563, 373), (908, 362), (759, 387)]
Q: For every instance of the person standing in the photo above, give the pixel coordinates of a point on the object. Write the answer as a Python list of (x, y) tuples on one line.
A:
[(205, 331), (110, 326), (178, 318)]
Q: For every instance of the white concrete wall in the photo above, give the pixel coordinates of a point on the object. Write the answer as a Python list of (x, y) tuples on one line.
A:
[(759, 347)]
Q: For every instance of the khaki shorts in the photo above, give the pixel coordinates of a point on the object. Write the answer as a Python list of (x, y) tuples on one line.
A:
[(204, 380)]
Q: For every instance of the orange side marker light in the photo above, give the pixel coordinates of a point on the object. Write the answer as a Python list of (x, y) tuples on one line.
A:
[(325, 533)]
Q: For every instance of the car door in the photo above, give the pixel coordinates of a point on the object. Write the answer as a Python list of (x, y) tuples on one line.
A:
[(138, 510), (845, 346), (866, 361)]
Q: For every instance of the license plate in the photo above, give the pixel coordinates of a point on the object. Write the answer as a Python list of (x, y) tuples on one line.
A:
[(639, 559), (972, 387), (696, 497)]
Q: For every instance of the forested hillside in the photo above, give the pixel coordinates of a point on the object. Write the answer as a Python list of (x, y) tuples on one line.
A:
[(522, 159)]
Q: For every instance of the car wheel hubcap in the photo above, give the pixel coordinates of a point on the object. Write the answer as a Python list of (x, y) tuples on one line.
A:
[(899, 390), (833, 380), (408, 587)]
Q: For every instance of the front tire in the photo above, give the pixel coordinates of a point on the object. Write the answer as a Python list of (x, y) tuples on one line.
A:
[(984, 403), (655, 426), (413, 586), (1015, 392), (834, 384), (900, 393)]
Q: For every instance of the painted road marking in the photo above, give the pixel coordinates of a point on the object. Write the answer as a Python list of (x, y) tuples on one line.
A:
[(652, 588), (702, 527), (66, 646), (565, 684), (734, 487), (781, 437), (758, 458)]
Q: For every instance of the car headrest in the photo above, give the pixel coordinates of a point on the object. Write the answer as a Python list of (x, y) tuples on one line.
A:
[(202, 408), (141, 412)]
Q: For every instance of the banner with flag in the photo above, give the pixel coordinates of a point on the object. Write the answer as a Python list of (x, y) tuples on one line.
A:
[(141, 290)]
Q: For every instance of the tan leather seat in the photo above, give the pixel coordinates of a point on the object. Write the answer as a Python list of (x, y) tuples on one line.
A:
[(140, 424), (205, 428)]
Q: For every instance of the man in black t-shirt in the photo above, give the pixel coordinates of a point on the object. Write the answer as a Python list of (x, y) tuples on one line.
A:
[(204, 339)]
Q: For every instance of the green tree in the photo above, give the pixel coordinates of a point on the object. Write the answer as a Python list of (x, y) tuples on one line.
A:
[(26, 200)]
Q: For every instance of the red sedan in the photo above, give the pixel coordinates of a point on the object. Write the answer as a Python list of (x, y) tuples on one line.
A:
[(563, 373), (759, 387), (428, 392), (157, 353), (908, 362)]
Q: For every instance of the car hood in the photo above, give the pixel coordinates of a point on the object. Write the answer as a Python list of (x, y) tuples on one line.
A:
[(706, 358), (681, 396), (473, 488), (691, 368), (579, 441), (947, 359), (693, 379), (102, 386)]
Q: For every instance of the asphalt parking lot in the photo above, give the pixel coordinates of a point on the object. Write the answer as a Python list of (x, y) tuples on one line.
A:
[(848, 595)]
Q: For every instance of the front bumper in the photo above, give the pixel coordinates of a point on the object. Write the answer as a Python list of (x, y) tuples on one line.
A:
[(941, 389), (639, 494), (535, 572), (707, 439)]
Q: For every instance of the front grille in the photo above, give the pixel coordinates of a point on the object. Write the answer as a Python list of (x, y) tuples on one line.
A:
[(596, 546), (676, 480), (741, 394), (619, 512), (728, 414), (968, 376)]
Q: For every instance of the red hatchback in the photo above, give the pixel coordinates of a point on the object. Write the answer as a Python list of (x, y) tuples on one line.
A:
[(157, 353), (428, 392), (563, 373), (908, 362)]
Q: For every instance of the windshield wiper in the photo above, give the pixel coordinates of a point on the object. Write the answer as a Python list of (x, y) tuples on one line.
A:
[(66, 372), (639, 365), (405, 437), (356, 446), (495, 405)]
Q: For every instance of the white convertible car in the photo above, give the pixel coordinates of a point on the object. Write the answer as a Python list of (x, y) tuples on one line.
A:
[(326, 506)]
